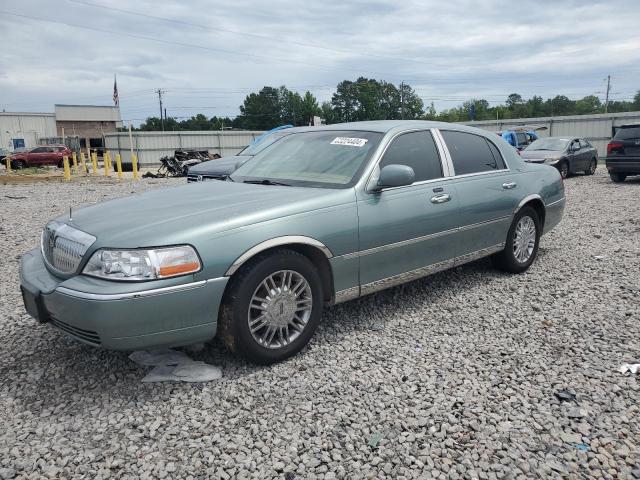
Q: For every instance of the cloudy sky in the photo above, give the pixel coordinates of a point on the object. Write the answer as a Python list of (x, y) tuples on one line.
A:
[(208, 55)]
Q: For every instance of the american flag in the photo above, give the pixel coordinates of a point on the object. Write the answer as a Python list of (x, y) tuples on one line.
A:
[(116, 100)]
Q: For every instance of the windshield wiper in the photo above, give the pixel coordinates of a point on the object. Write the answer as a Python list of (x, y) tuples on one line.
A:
[(266, 181)]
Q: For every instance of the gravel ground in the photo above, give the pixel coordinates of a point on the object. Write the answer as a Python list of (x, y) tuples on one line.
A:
[(452, 376)]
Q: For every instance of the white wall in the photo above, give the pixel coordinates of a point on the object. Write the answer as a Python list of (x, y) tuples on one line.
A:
[(29, 126), (597, 128), (151, 146)]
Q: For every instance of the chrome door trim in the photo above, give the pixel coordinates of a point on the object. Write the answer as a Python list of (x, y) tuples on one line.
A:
[(555, 203), (374, 170), (130, 295), (411, 275), (276, 242), (444, 151), (410, 241)]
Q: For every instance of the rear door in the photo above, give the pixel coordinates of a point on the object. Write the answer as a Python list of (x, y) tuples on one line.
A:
[(405, 229), (488, 192)]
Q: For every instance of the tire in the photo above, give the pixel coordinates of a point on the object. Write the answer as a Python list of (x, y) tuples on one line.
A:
[(617, 177), (592, 167), (286, 315), (510, 259), (563, 168), (18, 164)]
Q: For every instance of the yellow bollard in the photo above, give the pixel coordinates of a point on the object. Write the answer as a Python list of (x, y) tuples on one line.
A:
[(106, 159), (134, 163), (94, 162), (119, 166), (67, 170), (83, 164), (8, 160), (74, 158)]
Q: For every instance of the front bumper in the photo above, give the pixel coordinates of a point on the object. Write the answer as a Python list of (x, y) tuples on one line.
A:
[(116, 316)]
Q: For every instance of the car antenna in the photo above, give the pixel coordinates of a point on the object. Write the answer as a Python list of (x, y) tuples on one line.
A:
[(70, 219)]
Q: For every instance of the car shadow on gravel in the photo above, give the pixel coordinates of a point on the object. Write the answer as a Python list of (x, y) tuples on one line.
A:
[(55, 371)]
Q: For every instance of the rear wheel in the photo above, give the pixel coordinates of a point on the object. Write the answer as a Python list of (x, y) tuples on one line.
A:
[(618, 177), (522, 243), (272, 308), (563, 168), (592, 167), (18, 164)]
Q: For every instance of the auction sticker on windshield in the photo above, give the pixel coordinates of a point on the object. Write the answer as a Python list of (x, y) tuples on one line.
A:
[(352, 142)]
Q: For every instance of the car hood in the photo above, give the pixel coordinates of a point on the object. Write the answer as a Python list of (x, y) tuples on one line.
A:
[(220, 166), (203, 209), (540, 154)]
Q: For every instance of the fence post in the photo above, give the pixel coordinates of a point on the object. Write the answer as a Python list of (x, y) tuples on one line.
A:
[(134, 163), (67, 170), (83, 164), (119, 165), (107, 163), (94, 162), (74, 159), (8, 160)]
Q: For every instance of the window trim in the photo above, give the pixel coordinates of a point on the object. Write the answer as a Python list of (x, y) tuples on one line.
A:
[(475, 174), (374, 173)]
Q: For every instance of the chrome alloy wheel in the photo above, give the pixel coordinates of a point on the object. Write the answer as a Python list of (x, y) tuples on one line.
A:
[(524, 240), (280, 309)]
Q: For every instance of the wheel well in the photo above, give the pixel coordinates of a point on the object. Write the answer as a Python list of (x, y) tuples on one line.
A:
[(538, 206), (316, 256)]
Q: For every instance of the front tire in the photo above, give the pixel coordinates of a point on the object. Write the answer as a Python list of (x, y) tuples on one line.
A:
[(522, 244), (18, 164), (592, 167), (272, 307), (563, 168), (617, 177)]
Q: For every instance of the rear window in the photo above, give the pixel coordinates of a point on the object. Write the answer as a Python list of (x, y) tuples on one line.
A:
[(628, 133)]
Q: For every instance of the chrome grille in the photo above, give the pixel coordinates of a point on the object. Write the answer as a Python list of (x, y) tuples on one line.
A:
[(64, 246)]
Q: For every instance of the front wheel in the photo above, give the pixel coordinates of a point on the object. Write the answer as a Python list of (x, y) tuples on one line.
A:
[(272, 308), (563, 168), (617, 177), (18, 164), (522, 243), (592, 167)]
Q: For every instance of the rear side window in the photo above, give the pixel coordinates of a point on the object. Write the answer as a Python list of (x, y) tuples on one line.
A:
[(584, 143), (629, 133), (416, 150), (471, 153), (497, 156)]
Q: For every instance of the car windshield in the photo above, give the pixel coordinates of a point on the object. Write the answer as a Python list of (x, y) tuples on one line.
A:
[(256, 148), (549, 144), (329, 159)]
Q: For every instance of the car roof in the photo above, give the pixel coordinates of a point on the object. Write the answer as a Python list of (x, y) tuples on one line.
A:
[(384, 126)]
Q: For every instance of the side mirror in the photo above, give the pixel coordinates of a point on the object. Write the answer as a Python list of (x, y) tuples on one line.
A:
[(395, 176)]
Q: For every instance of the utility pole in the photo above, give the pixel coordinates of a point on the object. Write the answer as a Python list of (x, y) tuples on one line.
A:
[(402, 100), (606, 101), (160, 92)]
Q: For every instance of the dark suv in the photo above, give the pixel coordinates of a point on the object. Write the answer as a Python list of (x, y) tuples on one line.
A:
[(623, 153)]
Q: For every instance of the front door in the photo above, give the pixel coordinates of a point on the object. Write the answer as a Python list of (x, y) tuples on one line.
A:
[(488, 193), (405, 229)]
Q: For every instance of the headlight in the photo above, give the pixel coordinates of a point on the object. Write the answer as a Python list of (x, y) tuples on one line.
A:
[(132, 265), (551, 161)]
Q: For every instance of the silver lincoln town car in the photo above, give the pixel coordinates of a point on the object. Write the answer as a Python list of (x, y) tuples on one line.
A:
[(320, 217)]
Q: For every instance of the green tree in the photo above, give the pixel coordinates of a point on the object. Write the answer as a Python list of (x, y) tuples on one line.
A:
[(260, 111)]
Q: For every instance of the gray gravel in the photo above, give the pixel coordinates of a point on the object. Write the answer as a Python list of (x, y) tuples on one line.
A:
[(452, 376)]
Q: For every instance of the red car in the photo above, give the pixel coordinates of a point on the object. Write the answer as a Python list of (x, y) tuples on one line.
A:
[(40, 156)]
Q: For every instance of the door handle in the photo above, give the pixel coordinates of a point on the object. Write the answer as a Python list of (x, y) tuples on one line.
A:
[(445, 197), (509, 185)]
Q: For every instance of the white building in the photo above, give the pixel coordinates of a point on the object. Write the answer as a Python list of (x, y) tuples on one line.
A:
[(24, 130)]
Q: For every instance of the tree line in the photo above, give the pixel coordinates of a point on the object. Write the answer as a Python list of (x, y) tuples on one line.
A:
[(370, 99)]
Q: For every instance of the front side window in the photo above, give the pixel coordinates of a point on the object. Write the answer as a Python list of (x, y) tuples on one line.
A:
[(325, 158), (39, 150), (470, 153), (418, 151)]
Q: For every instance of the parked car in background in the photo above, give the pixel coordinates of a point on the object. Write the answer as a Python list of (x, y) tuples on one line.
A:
[(40, 156), (321, 217), (221, 168), (623, 153), (569, 155)]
